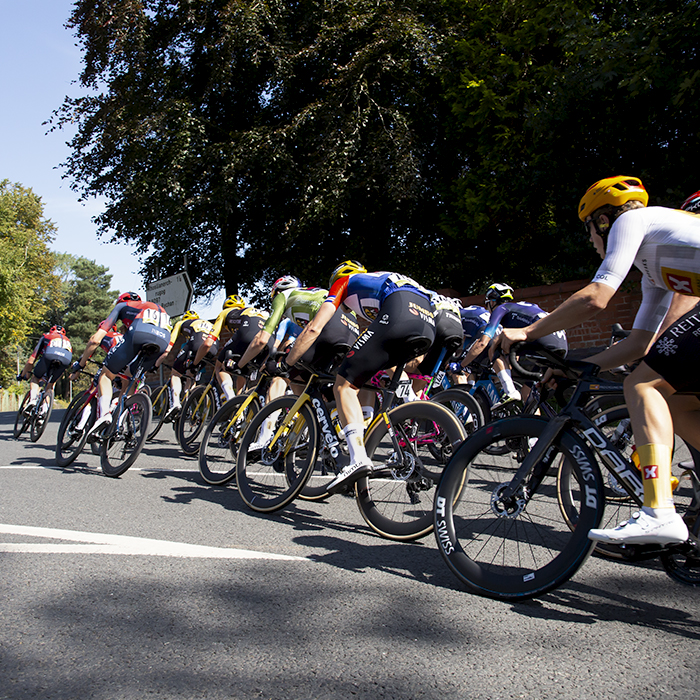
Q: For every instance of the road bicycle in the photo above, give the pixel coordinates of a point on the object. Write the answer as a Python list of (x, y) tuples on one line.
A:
[(35, 417), (221, 438), (201, 402), (409, 446), (76, 423), (122, 440), (515, 525)]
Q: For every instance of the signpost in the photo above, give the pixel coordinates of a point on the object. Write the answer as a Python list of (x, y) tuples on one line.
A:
[(173, 293)]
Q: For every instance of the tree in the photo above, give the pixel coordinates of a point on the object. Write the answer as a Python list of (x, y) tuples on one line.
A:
[(546, 99), (26, 269), (263, 138), (89, 300)]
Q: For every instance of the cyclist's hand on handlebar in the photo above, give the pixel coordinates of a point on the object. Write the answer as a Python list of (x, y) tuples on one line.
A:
[(277, 368), (505, 339)]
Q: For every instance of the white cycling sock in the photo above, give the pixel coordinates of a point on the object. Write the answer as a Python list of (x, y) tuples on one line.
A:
[(507, 382), (103, 404), (354, 437), (227, 388)]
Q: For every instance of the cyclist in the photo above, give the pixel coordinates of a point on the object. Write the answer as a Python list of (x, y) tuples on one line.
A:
[(49, 359), (245, 322), (147, 324), (508, 313), (301, 304), (200, 343), (400, 328), (664, 244)]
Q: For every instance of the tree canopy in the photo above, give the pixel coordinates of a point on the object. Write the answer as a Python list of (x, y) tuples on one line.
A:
[(448, 139), (26, 268)]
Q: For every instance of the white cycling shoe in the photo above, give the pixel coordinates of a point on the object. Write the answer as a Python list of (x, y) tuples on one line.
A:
[(643, 528), (100, 423), (350, 474)]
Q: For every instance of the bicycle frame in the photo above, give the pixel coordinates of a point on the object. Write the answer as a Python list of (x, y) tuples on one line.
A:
[(573, 414)]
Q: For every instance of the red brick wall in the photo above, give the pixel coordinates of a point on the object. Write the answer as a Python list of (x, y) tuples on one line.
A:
[(594, 333)]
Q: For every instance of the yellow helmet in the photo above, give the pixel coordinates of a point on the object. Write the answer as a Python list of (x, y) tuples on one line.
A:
[(189, 315), (615, 191), (499, 293), (233, 301), (349, 267)]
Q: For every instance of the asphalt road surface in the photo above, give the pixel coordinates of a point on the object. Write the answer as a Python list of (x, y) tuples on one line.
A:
[(156, 585)]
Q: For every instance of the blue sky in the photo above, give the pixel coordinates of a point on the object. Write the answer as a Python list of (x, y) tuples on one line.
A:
[(40, 66)]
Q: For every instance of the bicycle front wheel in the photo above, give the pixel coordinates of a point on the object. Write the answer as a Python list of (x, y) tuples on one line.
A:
[(127, 437), (196, 412), (523, 546), (464, 406), (271, 477), (396, 500), (21, 419), (71, 437), (222, 436), (41, 416)]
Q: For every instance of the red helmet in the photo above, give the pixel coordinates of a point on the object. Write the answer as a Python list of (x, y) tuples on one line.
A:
[(128, 296), (692, 203), (58, 329)]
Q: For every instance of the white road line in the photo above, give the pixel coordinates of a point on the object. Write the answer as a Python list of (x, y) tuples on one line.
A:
[(83, 466), (96, 543)]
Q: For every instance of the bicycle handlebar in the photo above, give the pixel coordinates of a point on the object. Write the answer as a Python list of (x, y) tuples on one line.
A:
[(573, 369)]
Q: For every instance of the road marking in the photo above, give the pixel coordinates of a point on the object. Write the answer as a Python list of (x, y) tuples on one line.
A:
[(96, 543), (87, 466)]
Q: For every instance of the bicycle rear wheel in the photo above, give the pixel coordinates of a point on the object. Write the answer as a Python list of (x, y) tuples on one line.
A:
[(42, 415), (196, 412), (217, 453), (71, 439), (522, 547), (396, 500), (21, 419), (269, 479), (161, 404), (127, 436)]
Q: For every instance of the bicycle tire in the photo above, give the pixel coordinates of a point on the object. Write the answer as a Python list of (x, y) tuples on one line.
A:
[(161, 406), (268, 481), (194, 417), (21, 419), (70, 441), (464, 406), (219, 447), (127, 435), (41, 419), (326, 467), (396, 501), (524, 548)]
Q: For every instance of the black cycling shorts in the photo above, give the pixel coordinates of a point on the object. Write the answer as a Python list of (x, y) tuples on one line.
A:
[(333, 342), (675, 353), (140, 335), (403, 329), (189, 351), (52, 364), (242, 338), (449, 336)]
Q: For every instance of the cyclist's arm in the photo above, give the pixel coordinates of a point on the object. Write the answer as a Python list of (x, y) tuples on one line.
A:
[(477, 347), (173, 339), (579, 307), (204, 348), (255, 348), (628, 350), (309, 335), (92, 345)]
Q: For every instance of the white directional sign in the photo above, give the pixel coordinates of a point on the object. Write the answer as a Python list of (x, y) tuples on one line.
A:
[(173, 293)]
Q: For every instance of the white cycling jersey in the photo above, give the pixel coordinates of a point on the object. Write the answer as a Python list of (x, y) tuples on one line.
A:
[(664, 244)]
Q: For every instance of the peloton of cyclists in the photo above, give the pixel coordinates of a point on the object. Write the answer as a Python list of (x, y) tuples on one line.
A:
[(147, 324), (49, 360), (664, 244)]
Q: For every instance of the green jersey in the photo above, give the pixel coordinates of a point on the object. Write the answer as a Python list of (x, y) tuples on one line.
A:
[(299, 305)]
